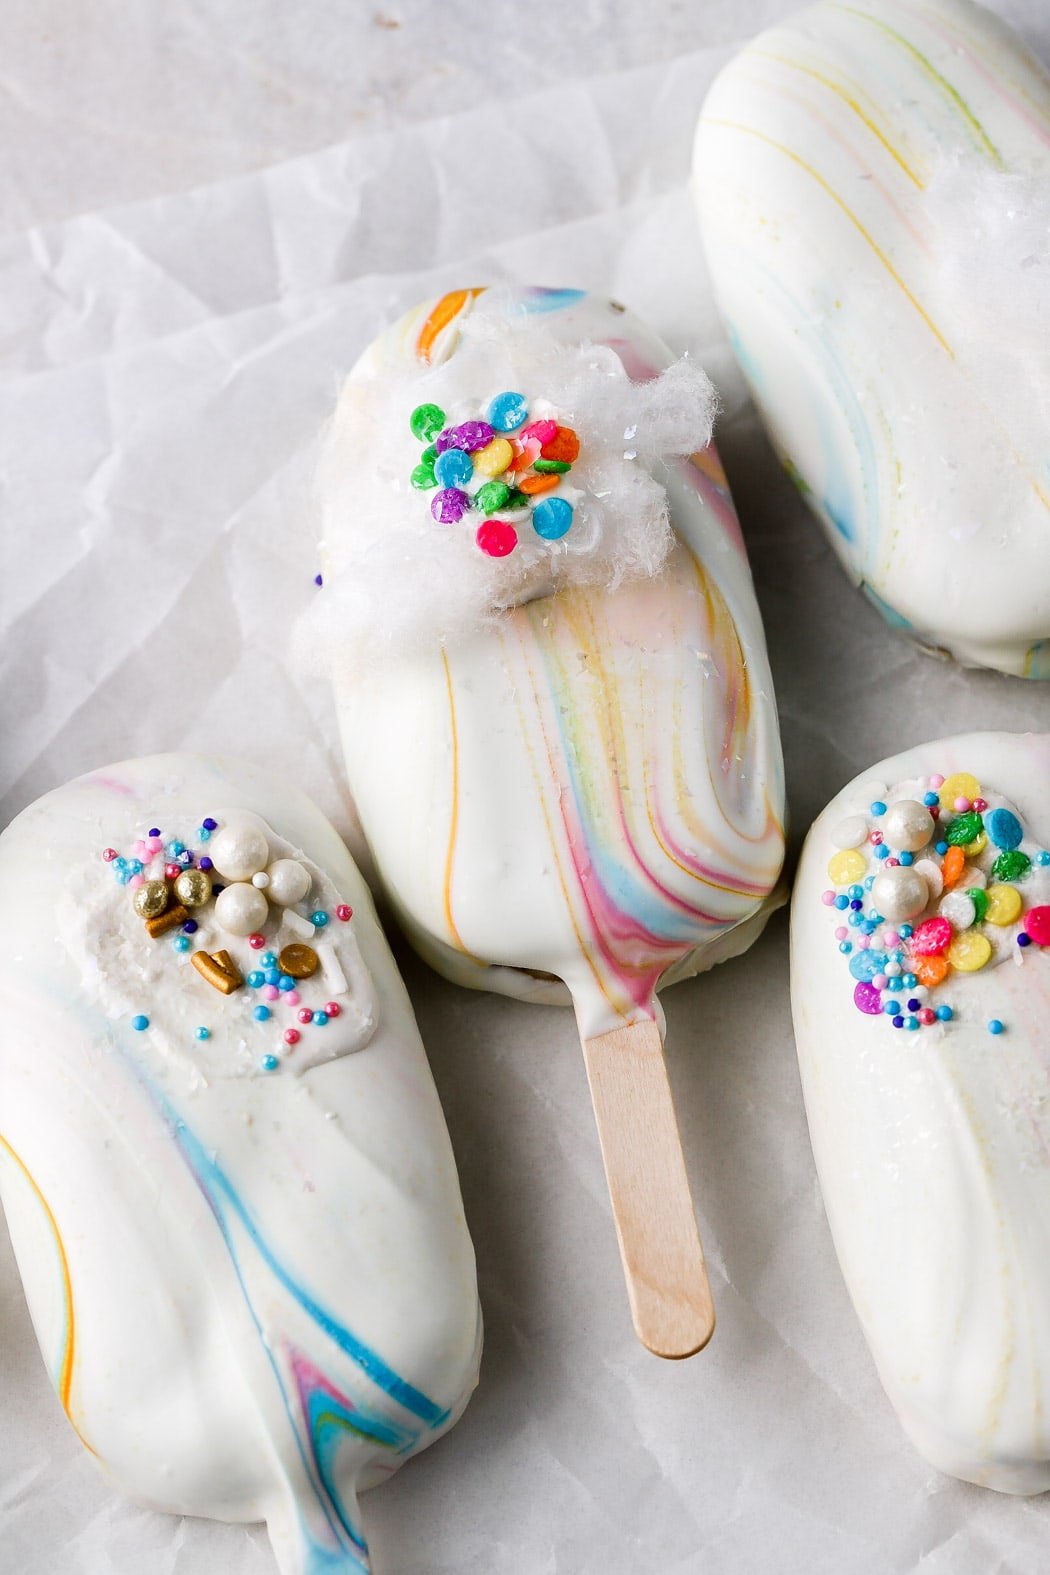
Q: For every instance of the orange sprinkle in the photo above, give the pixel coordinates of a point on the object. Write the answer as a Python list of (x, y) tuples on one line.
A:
[(564, 446), (952, 868), (535, 485), (928, 970)]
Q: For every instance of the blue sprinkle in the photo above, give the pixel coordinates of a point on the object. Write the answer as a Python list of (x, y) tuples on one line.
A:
[(929, 799), (841, 901), (204, 835), (120, 864), (123, 876), (175, 848), (320, 1018), (876, 918), (202, 1033), (269, 1063), (1004, 829), (181, 943), (914, 1004), (269, 959), (272, 975), (190, 927), (905, 857), (995, 1026), (209, 824), (869, 882), (908, 981), (878, 807), (944, 1013), (140, 1023), (154, 831), (320, 918), (942, 848), (854, 893), (552, 518), (891, 1008), (854, 919), (882, 851), (1042, 858), (453, 468), (845, 947), (206, 864), (911, 1022), (318, 579), (285, 983), (905, 930), (261, 1013), (865, 965), (1024, 940), (255, 979), (135, 866), (507, 411)]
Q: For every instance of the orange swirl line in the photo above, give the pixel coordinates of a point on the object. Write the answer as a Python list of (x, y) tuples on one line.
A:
[(442, 314)]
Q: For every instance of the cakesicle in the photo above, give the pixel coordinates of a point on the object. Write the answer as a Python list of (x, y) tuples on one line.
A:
[(873, 185), (226, 1173), (920, 983), (577, 794)]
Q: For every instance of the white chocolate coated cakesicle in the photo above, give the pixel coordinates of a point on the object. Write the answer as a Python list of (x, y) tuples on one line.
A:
[(583, 799), (222, 1159), (921, 999), (873, 186)]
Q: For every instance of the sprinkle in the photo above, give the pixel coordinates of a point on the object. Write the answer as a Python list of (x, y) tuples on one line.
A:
[(469, 436), (285, 984), (866, 999), (256, 941), (270, 992), (109, 854), (969, 951), (426, 422), (261, 1013), (492, 496), (449, 505), (828, 898), (219, 970), (961, 805), (931, 971), (292, 1036), (344, 913), (208, 823), (877, 807), (271, 976), (181, 943), (163, 922), (959, 910), (256, 980), (882, 852), (876, 839), (552, 518), (911, 1023), (932, 937), (292, 998), (1011, 865), (320, 1019), (898, 1021), (960, 785), (1037, 925), (206, 864), (422, 477), (929, 799), (1024, 940), (1042, 859), (140, 1023), (297, 924), (891, 1008), (204, 835), (297, 961), (453, 468), (979, 897), (944, 1014), (333, 1008), (331, 972), (963, 830), (269, 1063), (905, 857), (507, 411), (305, 1015), (564, 445), (202, 1033), (927, 1016), (995, 1026), (493, 460), (496, 538), (953, 866)]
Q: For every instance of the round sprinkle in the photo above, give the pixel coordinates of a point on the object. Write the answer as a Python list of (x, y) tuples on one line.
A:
[(496, 538), (285, 983), (150, 899), (845, 867), (552, 518), (908, 825), (449, 505), (508, 411), (319, 917), (305, 1015), (1012, 865), (927, 1016), (333, 1008), (960, 785), (181, 943), (492, 496), (899, 893), (255, 979), (320, 1019), (891, 1008), (931, 970), (344, 913), (959, 910), (1037, 925), (297, 960), (109, 854), (469, 436), (929, 799), (494, 459), (966, 828), (1024, 939), (969, 951), (898, 1021), (202, 1033), (1042, 858), (995, 1026), (866, 999), (292, 998), (422, 478), (426, 422), (261, 1013), (944, 1014), (270, 992), (961, 805), (1004, 828), (453, 468), (292, 1036), (271, 976), (140, 1023), (256, 941), (877, 807), (269, 1063), (206, 864)]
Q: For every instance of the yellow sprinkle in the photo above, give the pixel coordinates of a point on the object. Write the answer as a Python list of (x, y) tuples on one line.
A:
[(978, 845), (961, 785), (969, 951), (494, 459), (1004, 905), (847, 866)]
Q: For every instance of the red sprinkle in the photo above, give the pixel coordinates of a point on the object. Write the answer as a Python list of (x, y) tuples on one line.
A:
[(257, 941), (292, 1036), (932, 936), (333, 1008), (173, 871), (980, 805), (305, 1015), (876, 838), (1037, 925), (344, 913), (892, 862), (109, 854), (927, 1016)]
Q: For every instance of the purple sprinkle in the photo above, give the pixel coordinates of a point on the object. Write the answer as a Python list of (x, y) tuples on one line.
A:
[(469, 435), (318, 579), (867, 999), (190, 927), (1024, 939), (209, 824), (154, 831), (444, 440), (914, 1004), (898, 1022), (449, 505), (206, 863)]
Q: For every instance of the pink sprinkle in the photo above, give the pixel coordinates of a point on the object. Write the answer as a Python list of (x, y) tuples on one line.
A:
[(136, 881), (961, 805), (876, 839), (543, 431), (892, 862), (880, 981), (1037, 924), (344, 913), (155, 844), (890, 938), (141, 850), (109, 854), (173, 871), (270, 992), (826, 897), (292, 1036), (980, 805), (292, 998), (927, 1016), (256, 941), (863, 942), (932, 936), (841, 933), (332, 1008), (936, 781), (305, 1015)]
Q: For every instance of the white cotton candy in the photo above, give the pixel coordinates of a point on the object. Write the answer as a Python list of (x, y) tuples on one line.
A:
[(396, 580)]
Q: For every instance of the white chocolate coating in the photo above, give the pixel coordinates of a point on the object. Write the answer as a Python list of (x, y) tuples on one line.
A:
[(255, 1291), (873, 185), (591, 791), (933, 1146)]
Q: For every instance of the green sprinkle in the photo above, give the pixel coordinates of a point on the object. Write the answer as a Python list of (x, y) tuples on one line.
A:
[(426, 422), (517, 499), (1011, 866), (492, 496), (423, 477), (964, 829), (979, 897), (552, 467)]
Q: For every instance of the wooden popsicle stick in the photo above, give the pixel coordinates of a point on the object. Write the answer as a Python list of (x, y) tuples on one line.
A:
[(663, 1261)]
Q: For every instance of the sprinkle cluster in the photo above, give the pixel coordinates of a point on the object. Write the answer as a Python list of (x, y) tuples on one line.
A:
[(946, 897), (175, 887), (497, 468)]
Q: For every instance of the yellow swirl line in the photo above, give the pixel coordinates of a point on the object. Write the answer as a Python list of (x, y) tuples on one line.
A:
[(750, 131)]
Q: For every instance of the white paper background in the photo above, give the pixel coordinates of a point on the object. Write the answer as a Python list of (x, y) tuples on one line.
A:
[(164, 364)]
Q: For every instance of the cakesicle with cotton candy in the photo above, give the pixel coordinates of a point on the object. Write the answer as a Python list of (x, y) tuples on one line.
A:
[(555, 703), (873, 186), (920, 984), (227, 1177)]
